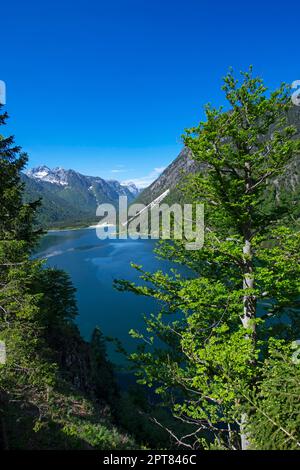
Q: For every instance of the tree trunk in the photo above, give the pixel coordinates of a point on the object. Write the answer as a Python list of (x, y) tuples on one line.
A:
[(245, 442), (249, 301), (249, 315)]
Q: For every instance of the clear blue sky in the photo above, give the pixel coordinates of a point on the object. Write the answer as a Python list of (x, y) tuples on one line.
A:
[(107, 87)]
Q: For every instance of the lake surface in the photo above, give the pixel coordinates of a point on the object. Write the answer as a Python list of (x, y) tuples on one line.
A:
[(93, 264)]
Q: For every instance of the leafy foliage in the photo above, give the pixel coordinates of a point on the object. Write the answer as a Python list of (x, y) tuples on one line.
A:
[(49, 394), (243, 290), (275, 424)]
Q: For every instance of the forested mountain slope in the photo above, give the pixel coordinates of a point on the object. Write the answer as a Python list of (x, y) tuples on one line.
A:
[(70, 198)]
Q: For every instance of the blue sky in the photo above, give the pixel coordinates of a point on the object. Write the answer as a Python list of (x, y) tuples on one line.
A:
[(107, 87)]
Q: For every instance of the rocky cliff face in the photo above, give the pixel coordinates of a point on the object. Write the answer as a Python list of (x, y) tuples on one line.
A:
[(171, 176), (289, 182), (184, 164)]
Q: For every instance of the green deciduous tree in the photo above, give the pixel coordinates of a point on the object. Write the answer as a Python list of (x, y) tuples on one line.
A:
[(243, 289), (275, 424)]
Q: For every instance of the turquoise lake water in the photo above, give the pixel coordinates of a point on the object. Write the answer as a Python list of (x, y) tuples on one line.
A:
[(93, 264)]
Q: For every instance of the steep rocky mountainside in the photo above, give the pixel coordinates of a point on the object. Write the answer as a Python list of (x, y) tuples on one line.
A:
[(171, 176), (289, 183)]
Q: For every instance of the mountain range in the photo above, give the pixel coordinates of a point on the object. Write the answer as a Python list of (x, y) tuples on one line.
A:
[(70, 198)]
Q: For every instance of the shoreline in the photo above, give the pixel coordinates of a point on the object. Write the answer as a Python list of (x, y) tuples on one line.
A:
[(78, 228)]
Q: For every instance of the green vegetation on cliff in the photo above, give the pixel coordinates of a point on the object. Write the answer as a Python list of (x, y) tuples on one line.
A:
[(56, 390)]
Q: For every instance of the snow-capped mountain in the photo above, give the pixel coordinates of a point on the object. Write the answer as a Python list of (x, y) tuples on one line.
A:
[(68, 196), (55, 176), (60, 176), (131, 187)]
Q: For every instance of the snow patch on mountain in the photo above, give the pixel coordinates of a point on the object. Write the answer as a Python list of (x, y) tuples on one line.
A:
[(131, 187), (62, 177), (55, 176)]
